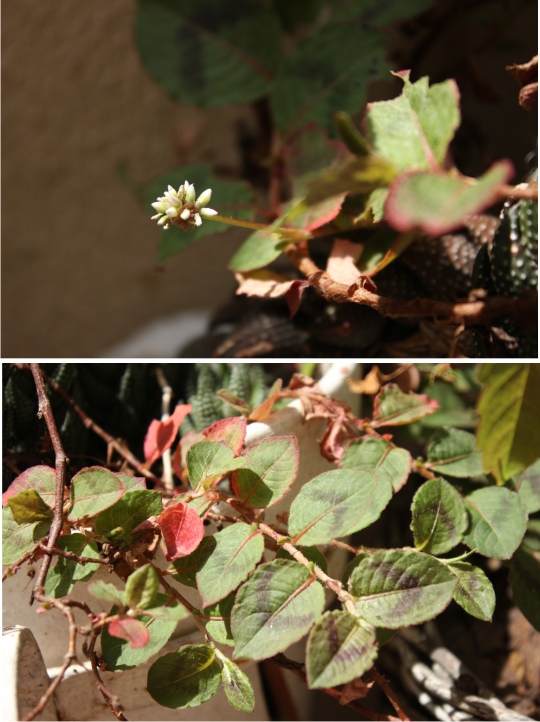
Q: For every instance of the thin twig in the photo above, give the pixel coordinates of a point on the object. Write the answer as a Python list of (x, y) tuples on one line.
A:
[(61, 461), (72, 556), (389, 692), (69, 657), (110, 440), (111, 699), (465, 313)]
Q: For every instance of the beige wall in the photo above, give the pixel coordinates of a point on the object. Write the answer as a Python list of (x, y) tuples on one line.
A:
[(79, 251)]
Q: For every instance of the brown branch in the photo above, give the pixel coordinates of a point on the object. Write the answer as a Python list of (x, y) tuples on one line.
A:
[(464, 313), (389, 692), (72, 556), (61, 461), (110, 440), (111, 699), (69, 657)]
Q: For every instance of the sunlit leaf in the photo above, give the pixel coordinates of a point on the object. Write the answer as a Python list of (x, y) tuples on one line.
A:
[(185, 678), (498, 520), (182, 529), (439, 519)]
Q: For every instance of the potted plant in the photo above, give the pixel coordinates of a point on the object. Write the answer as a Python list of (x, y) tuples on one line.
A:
[(255, 581)]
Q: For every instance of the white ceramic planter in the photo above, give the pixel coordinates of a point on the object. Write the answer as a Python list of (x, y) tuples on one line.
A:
[(44, 637)]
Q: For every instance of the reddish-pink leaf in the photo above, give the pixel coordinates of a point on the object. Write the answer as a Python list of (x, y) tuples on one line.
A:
[(182, 530), (264, 409), (132, 630), (263, 284), (161, 434), (229, 431), (294, 295)]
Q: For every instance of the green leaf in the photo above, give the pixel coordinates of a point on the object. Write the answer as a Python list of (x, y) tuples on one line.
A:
[(204, 55), (271, 466), (186, 678), (527, 485), (167, 614), (229, 198), (452, 452), (132, 483), (415, 129), (337, 503), (274, 608), (27, 507), (119, 656), (187, 567), (107, 591), (131, 510), (93, 490), (397, 588), (329, 70), (474, 591), (452, 409), (437, 203), (220, 628), (376, 13), (208, 461), (509, 433), (376, 454), (142, 587), (439, 518), (237, 686), (498, 521), (525, 580), (393, 407), (339, 649), (17, 539), (237, 550), (61, 578), (257, 251)]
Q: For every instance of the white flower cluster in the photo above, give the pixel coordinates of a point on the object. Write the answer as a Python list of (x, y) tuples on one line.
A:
[(179, 208)]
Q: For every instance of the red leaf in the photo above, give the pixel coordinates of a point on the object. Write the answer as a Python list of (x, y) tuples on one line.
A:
[(294, 295), (182, 530), (231, 432), (132, 630), (161, 434)]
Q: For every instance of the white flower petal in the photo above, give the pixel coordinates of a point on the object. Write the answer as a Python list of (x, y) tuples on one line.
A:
[(197, 219), (172, 212), (208, 212), (204, 198), (185, 214), (159, 206), (190, 194)]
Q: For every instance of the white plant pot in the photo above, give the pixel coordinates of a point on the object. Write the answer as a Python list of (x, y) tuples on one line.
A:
[(44, 637)]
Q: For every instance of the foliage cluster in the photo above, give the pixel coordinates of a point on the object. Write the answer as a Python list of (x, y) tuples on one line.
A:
[(368, 193), (261, 580)]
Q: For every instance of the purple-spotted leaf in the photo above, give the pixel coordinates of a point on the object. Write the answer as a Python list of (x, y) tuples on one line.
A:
[(187, 566), (93, 490), (237, 550), (393, 407), (439, 518), (231, 432), (209, 461), (236, 686), (40, 478), (376, 454), (453, 452), (337, 503), (397, 588), (497, 521), (119, 656), (414, 130), (339, 649), (185, 678), (474, 591), (142, 587), (132, 630), (437, 203), (182, 530), (274, 608), (508, 433), (27, 507), (270, 468)]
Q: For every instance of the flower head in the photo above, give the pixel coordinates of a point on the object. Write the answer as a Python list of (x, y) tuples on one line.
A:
[(179, 208)]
